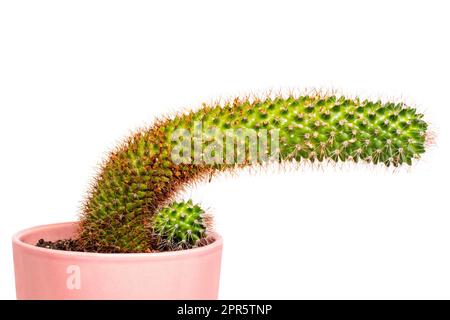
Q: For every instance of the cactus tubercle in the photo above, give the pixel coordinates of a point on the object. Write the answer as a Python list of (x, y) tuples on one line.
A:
[(180, 225)]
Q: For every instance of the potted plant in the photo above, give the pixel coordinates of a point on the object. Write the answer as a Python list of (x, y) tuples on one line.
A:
[(133, 241)]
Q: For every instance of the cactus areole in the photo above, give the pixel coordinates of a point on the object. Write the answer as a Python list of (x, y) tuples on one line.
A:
[(130, 207)]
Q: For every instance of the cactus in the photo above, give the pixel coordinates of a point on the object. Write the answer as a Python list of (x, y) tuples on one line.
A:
[(132, 195), (182, 225)]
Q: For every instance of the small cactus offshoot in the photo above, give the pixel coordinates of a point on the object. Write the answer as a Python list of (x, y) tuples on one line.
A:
[(128, 200), (181, 225)]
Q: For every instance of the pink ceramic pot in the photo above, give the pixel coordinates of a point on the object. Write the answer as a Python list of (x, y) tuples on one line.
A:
[(53, 274)]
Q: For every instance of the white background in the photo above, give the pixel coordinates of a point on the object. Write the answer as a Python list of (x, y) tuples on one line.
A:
[(77, 76)]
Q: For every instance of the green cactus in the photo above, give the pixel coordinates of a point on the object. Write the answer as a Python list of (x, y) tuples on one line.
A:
[(181, 225), (143, 175)]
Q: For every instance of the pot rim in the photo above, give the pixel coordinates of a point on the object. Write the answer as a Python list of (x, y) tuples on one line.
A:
[(17, 241)]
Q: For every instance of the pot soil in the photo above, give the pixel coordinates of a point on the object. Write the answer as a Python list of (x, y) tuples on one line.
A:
[(43, 273)]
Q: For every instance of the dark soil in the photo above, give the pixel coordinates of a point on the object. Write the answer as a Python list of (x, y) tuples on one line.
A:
[(74, 245), (65, 244)]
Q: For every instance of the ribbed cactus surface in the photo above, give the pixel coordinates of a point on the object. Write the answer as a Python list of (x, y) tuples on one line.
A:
[(144, 174), (181, 225)]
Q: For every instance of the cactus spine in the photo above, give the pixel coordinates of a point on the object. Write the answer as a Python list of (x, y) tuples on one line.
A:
[(142, 176), (181, 225)]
